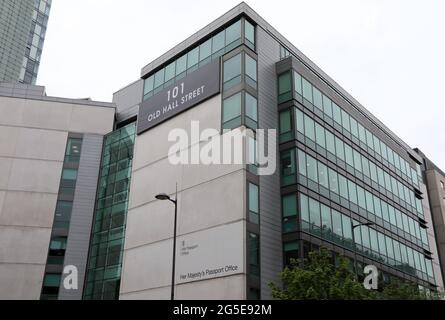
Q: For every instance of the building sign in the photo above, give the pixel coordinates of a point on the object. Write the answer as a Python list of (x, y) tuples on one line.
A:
[(211, 253), (186, 93)]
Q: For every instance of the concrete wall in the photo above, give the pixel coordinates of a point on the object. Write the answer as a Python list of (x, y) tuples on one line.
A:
[(211, 198), (33, 136)]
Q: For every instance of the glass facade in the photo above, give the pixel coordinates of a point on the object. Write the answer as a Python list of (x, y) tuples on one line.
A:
[(213, 48), (107, 241), (347, 125), (61, 223), (357, 177), (33, 51)]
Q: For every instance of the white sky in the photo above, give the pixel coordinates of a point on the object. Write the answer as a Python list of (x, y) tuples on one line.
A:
[(388, 54)]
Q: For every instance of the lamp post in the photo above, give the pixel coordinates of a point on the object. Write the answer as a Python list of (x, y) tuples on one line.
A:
[(163, 196), (353, 240)]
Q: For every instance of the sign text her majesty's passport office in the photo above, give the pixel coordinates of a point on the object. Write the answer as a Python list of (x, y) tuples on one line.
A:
[(198, 86)]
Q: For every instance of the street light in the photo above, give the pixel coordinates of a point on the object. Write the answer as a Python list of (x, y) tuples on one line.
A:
[(163, 196), (353, 240)]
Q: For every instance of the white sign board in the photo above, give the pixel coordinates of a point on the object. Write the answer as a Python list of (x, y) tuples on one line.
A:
[(212, 253)]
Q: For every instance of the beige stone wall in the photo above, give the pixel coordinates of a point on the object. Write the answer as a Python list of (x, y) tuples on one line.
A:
[(146, 272), (33, 136)]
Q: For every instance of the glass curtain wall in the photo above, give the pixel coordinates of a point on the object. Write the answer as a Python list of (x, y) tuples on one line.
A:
[(107, 241)]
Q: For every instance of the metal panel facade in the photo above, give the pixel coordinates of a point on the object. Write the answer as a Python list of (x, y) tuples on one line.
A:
[(83, 210)]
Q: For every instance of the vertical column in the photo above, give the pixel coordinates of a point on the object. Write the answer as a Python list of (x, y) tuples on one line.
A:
[(82, 214)]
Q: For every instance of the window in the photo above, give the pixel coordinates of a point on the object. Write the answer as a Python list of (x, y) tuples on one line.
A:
[(284, 53), (253, 203), (170, 73), (357, 233), (442, 185), (354, 127), (309, 128), (69, 175), (304, 210), (357, 161), (348, 155), (73, 149), (330, 142), (345, 121), (58, 243), (289, 207), (377, 207), (233, 35), (369, 139), (299, 120), (314, 215), (337, 225), (365, 237), (159, 79), (286, 133), (193, 59), (218, 43), (385, 211), (389, 247), (336, 111), (284, 87), (319, 135), (312, 172), (365, 167), (251, 73), (327, 106), (323, 175), (251, 111), (339, 148), (302, 163), (317, 98), (249, 34), (307, 90), (232, 72), (347, 231), (352, 188), (297, 82), (290, 251), (205, 52), (333, 181), (181, 66), (361, 197), (232, 111), (343, 184), (326, 223), (374, 240), (51, 280), (254, 254), (212, 48), (369, 202), (382, 243), (288, 167), (63, 214), (362, 134)]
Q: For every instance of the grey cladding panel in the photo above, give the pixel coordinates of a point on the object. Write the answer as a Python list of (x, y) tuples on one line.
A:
[(83, 210), (270, 198)]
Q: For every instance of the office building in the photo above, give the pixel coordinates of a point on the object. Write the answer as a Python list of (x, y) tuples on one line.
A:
[(48, 146), (22, 34), (337, 167)]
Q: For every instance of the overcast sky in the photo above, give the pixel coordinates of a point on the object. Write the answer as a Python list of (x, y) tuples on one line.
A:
[(390, 55)]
